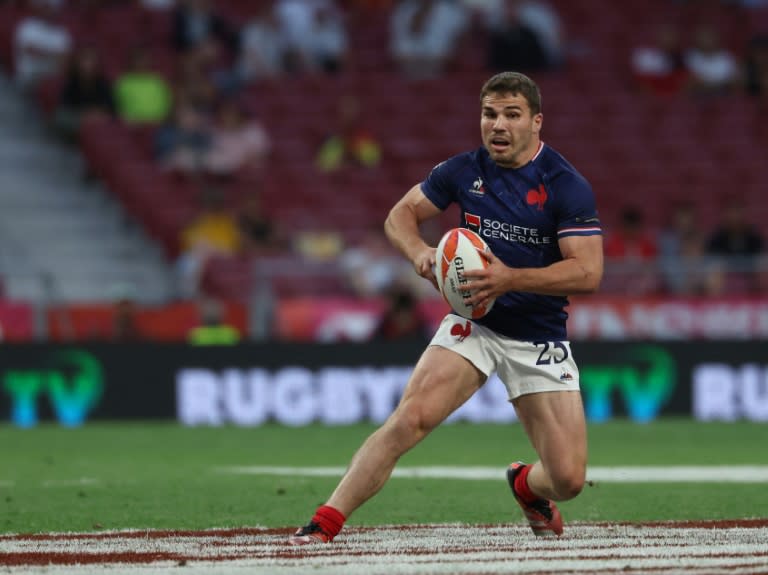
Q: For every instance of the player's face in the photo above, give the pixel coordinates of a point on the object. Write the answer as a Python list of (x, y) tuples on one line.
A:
[(510, 132)]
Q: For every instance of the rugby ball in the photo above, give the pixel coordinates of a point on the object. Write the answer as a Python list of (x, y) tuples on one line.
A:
[(460, 250)]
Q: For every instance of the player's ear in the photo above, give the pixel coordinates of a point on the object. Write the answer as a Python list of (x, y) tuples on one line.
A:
[(538, 120)]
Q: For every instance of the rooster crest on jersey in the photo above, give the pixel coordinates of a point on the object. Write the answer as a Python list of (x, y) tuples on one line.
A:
[(460, 250)]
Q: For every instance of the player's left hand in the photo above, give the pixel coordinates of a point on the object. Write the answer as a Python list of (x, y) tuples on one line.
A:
[(489, 283)]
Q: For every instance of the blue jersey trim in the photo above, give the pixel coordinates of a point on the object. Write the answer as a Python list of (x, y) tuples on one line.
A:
[(590, 231)]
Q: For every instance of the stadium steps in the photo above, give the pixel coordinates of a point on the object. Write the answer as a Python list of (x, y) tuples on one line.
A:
[(62, 238)]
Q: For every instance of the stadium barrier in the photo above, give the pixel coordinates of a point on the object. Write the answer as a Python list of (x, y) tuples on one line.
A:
[(338, 318), (593, 318), (337, 384)]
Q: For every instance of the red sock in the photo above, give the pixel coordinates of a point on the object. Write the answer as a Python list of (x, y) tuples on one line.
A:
[(329, 519), (521, 486)]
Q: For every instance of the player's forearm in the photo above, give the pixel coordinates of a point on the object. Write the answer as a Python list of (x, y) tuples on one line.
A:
[(402, 229), (567, 277)]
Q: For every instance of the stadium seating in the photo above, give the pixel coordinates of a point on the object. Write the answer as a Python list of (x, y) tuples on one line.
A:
[(634, 148)]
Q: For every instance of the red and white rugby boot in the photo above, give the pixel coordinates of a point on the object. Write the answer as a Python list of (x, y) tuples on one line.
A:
[(542, 514), (322, 528), (310, 534)]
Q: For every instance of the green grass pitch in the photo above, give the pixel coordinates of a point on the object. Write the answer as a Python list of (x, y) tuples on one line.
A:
[(161, 475)]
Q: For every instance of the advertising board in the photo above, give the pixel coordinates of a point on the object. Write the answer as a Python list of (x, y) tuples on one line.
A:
[(337, 384)]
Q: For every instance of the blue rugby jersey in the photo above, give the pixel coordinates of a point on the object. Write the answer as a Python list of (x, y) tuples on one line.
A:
[(521, 213)]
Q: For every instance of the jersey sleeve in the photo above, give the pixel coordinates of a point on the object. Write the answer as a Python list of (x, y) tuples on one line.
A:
[(439, 185), (577, 209)]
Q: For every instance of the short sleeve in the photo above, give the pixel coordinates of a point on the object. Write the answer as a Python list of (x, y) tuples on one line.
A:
[(577, 209), (439, 186)]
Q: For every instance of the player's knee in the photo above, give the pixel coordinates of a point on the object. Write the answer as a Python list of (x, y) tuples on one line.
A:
[(414, 420)]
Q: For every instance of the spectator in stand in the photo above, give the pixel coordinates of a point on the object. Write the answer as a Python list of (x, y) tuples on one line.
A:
[(86, 93), (424, 35), (660, 67), (713, 70), (513, 44), (632, 240), (214, 232), (315, 33), (402, 318), (294, 18), (190, 268), (735, 236), (351, 143), (213, 328), (231, 145), (756, 67), (239, 144), (545, 21), (536, 15), (214, 226), (327, 46), (681, 253), (264, 47), (207, 48), (633, 250), (183, 143), (125, 326), (198, 28), (322, 244), (735, 246), (41, 46), (259, 233), (197, 86), (142, 96)]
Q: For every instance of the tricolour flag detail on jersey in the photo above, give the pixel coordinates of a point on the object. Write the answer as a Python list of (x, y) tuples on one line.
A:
[(588, 231)]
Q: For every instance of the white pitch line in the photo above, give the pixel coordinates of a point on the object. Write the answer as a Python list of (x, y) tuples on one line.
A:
[(456, 549), (634, 474)]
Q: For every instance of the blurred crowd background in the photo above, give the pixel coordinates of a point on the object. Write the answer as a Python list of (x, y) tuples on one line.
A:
[(172, 165)]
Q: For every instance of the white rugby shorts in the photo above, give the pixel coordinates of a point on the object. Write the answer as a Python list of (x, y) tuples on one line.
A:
[(523, 366)]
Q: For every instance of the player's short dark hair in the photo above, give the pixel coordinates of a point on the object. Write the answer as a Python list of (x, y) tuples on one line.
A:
[(514, 83)]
